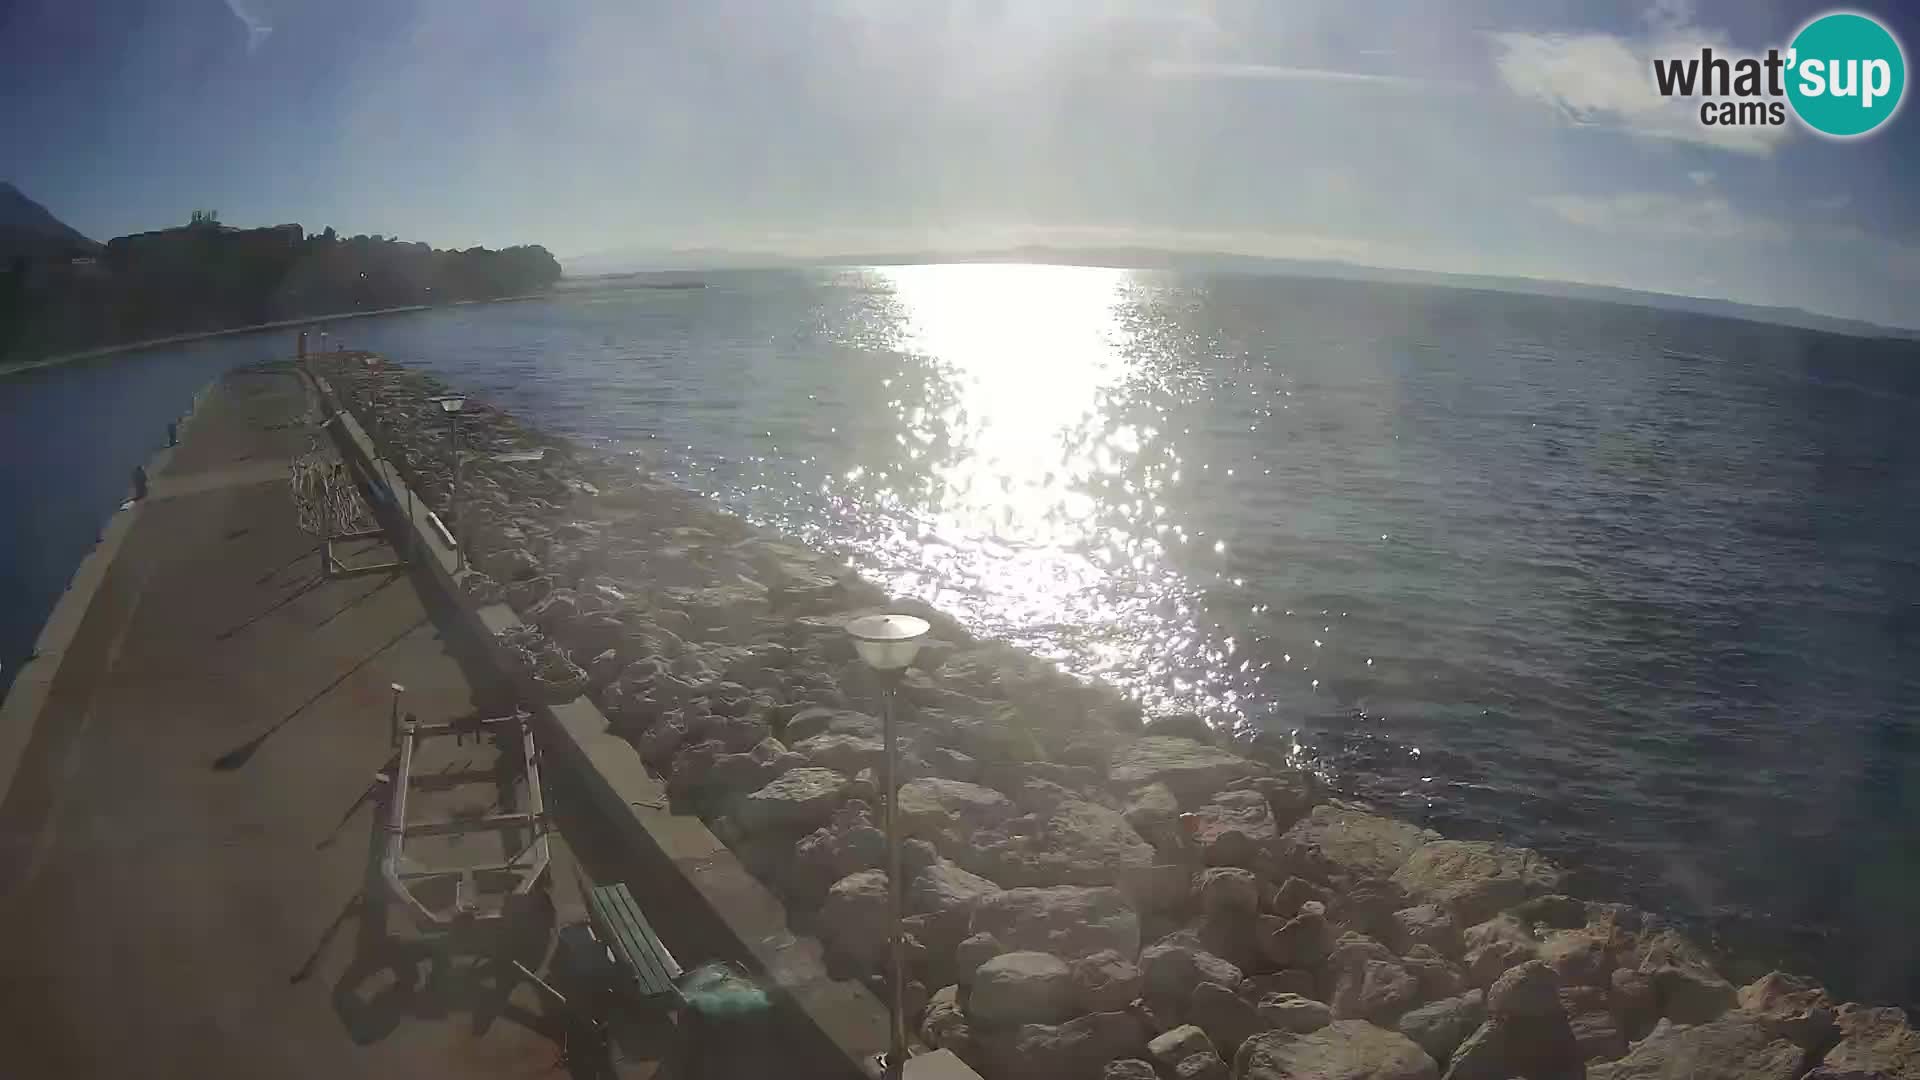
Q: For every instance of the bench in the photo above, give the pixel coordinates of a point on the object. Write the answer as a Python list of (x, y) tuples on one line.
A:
[(650, 970)]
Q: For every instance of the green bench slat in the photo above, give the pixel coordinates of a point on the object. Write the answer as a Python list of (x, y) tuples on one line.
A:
[(633, 939)]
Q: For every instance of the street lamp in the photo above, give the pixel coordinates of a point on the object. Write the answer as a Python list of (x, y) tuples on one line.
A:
[(451, 404), (887, 644)]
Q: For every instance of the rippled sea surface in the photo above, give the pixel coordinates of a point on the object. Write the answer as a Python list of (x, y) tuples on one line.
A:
[(1641, 589)]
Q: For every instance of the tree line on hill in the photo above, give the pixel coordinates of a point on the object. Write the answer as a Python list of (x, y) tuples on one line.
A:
[(206, 276)]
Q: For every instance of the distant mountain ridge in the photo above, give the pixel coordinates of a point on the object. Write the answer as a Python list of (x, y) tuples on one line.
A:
[(1140, 258), (1698, 305), (27, 228)]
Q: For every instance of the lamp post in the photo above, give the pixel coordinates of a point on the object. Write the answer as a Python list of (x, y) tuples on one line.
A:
[(451, 404), (887, 644)]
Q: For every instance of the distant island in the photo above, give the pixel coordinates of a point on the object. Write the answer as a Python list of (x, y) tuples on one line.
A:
[(694, 260), (62, 292)]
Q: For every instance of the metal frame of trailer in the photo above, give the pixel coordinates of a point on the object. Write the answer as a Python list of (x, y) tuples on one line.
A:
[(529, 865)]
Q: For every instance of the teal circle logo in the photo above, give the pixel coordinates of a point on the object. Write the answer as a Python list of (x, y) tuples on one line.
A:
[(1846, 74)]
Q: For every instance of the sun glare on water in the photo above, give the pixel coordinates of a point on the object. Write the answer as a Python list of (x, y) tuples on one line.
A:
[(1027, 457), (1024, 353)]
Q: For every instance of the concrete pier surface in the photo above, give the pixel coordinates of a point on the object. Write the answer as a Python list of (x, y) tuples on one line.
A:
[(185, 842)]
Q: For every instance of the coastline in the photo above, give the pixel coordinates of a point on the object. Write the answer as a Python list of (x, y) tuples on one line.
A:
[(1218, 887), (282, 324)]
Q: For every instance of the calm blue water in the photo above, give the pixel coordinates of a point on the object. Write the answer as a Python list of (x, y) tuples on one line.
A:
[(1640, 589), (70, 438)]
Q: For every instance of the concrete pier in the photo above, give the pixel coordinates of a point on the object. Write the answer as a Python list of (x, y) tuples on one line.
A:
[(185, 839)]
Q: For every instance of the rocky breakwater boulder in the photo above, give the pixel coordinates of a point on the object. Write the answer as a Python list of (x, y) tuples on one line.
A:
[(996, 671), (1227, 1017), (1302, 942), (848, 754), (1067, 840), (1874, 1043), (941, 899), (1734, 1047), (855, 921), (1075, 842), (727, 612), (1369, 981), (509, 565), (1190, 770), (1342, 843), (849, 843), (1187, 1053), (1152, 810), (1051, 980), (1234, 828), (1472, 881), (1077, 1049), (1068, 921), (1526, 1033), (944, 1026), (802, 582), (809, 720), (1582, 957), (1022, 988), (951, 813), (707, 779), (1793, 1008), (1175, 965), (1107, 981), (1285, 1011), (1494, 946), (1230, 922), (1687, 989), (1439, 1027), (1423, 924), (1227, 892), (795, 802), (1049, 973), (1343, 1050)]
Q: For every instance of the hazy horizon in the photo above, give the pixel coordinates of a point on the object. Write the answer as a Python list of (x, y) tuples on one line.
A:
[(628, 262), (1496, 138)]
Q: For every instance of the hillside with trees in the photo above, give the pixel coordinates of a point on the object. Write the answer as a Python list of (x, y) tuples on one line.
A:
[(68, 296)]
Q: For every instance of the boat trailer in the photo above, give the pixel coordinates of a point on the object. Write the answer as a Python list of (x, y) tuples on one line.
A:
[(521, 874)]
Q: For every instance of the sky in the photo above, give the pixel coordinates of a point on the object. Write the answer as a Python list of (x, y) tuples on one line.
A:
[(1512, 137)]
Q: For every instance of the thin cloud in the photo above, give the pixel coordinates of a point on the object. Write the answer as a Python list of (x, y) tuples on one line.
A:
[(1166, 69), (1700, 178), (258, 28), (1731, 235), (1659, 214), (1606, 80)]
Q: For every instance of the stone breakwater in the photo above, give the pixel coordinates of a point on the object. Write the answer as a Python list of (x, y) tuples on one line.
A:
[(1093, 893)]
